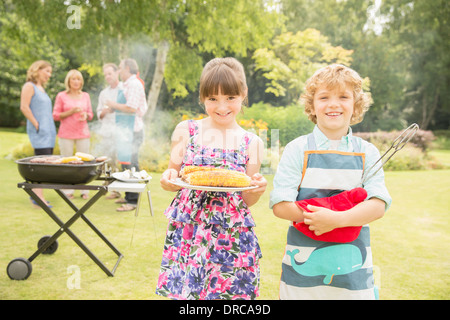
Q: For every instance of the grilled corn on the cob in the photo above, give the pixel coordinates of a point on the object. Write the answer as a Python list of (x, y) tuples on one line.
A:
[(189, 169), (215, 177), (84, 156), (70, 159)]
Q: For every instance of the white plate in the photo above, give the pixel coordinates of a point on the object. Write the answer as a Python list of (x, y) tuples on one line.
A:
[(120, 176), (183, 184)]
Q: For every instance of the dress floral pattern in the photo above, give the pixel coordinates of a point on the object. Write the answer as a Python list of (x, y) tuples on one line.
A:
[(210, 250)]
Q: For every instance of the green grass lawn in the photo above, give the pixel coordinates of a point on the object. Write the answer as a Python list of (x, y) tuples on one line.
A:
[(410, 243)]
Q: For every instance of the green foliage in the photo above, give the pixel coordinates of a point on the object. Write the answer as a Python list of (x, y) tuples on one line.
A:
[(401, 46), (20, 46), (422, 139), (206, 29), (293, 58), (414, 156), (442, 139), (192, 28), (229, 26), (190, 63), (23, 150), (290, 121), (421, 28), (409, 158)]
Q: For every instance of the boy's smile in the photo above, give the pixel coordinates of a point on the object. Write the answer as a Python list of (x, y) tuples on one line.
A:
[(333, 109)]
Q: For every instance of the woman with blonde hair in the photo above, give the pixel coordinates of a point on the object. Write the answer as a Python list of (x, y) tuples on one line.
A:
[(36, 106), (73, 109)]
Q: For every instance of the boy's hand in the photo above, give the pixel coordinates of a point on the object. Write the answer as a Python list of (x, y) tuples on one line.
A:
[(169, 174), (321, 220)]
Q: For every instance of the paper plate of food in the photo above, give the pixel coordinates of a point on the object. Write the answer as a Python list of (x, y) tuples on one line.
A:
[(132, 176), (213, 179)]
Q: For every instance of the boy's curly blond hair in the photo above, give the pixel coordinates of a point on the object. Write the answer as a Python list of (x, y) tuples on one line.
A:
[(337, 76)]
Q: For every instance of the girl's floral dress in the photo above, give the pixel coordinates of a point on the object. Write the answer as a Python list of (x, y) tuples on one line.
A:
[(210, 250)]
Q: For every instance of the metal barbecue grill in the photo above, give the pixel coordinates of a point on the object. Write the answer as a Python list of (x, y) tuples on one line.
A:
[(59, 177)]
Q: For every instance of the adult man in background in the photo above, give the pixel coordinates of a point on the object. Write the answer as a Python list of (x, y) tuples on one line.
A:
[(134, 103), (106, 115)]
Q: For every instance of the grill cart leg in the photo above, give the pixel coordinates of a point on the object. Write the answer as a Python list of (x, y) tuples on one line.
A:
[(19, 269)]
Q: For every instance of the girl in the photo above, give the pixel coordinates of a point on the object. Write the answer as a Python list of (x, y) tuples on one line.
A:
[(211, 250), (36, 106), (313, 166), (73, 108)]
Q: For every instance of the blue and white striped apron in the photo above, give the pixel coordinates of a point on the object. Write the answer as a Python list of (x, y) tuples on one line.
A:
[(314, 269)]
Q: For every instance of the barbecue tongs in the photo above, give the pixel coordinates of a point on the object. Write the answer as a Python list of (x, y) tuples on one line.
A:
[(396, 146)]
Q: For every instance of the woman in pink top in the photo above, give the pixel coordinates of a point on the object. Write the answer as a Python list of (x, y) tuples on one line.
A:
[(73, 108)]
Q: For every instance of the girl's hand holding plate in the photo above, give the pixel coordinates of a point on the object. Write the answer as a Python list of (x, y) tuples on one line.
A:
[(167, 176), (257, 180)]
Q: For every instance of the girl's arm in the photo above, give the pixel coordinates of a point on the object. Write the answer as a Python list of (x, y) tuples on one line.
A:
[(322, 220), (180, 139), (256, 151), (25, 99)]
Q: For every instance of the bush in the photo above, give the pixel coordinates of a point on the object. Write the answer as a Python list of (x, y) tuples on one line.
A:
[(422, 139), (22, 151), (409, 158), (414, 156), (25, 150), (263, 119), (290, 121), (154, 157), (442, 139)]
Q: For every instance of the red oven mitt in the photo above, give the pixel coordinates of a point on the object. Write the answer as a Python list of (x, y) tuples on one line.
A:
[(340, 202)]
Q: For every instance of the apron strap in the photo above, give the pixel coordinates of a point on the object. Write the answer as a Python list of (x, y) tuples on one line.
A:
[(312, 143), (356, 147)]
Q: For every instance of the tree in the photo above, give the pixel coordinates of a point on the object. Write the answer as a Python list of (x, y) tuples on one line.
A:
[(180, 30), (422, 28), (376, 32), (20, 46), (293, 58)]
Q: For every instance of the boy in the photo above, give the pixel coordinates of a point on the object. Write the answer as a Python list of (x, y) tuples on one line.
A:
[(313, 166)]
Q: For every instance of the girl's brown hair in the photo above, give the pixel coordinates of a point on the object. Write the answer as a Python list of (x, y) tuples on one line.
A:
[(224, 74), (337, 76), (33, 70)]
